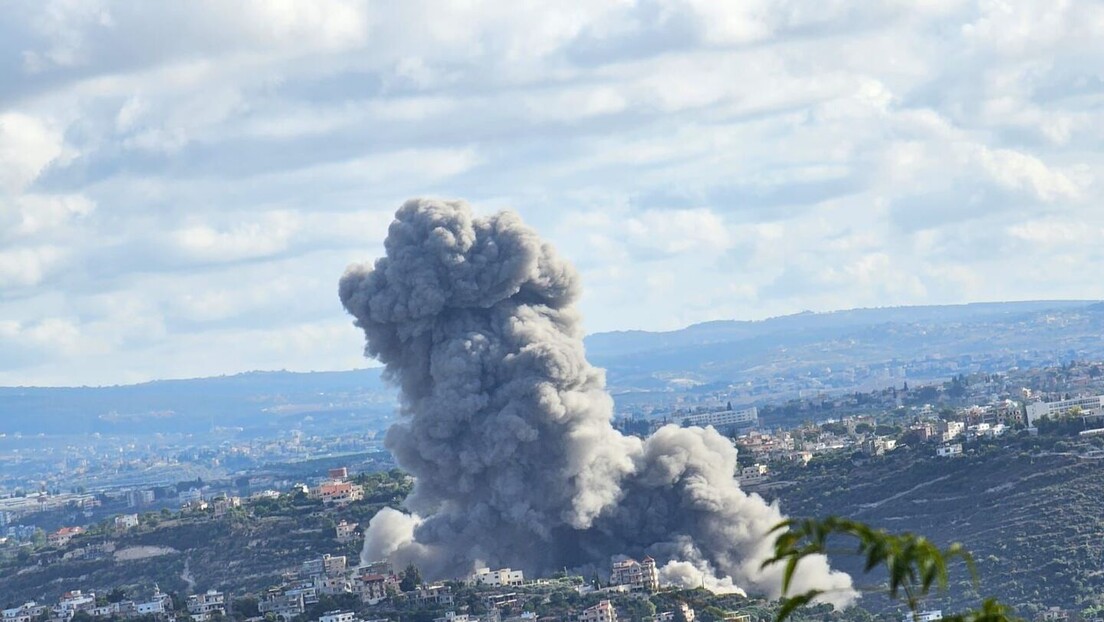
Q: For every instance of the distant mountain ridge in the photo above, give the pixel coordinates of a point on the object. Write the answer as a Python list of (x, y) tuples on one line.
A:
[(805, 345)]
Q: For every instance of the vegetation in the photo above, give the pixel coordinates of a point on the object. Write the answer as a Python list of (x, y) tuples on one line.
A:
[(913, 564)]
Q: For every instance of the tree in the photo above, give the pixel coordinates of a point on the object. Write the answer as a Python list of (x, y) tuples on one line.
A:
[(411, 579), (913, 564)]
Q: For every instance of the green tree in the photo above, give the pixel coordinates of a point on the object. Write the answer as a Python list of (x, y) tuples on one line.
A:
[(411, 579), (913, 564)]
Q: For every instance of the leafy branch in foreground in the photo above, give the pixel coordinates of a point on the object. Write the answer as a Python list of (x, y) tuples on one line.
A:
[(914, 565)]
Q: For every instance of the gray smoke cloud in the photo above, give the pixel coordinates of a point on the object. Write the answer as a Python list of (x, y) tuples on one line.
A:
[(507, 428)]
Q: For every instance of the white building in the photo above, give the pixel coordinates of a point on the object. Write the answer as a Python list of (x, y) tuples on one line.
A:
[(126, 521), (496, 578), (203, 606), (23, 613), (158, 604), (724, 418), (1036, 410), (949, 451), (190, 496), (923, 616), (337, 616), (602, 612)]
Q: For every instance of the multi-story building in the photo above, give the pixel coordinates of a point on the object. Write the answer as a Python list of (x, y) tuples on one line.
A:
[(203, 606), (642, 575), (126, 521), (374, 588), (283, 606), (438, 595), (1037, 410), (602, 612), (72, 602), (327, 564), (346, 531), (496, 578), (723, 419), (340, 493)]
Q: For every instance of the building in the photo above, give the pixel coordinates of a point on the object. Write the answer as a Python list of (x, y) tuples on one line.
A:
[(1037, 410), (283, 606), (754, 473), (203, 606), (340, 493), (191, 495), (602, 612), (496, 578), (126, 521), (346, 531), (26, 612), (62, 536), (331, 584), (642, 575), (337, 616), (72, 602), (339, 474), (723, 419), (452, 616), (139, 498), (438, 594), (158, 604), (374, 588), (949, 451), (923, 616), (222, 505), (669, 616), (331, 565)]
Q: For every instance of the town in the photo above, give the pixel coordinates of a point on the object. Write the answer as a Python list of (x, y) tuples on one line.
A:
[(44, 530)]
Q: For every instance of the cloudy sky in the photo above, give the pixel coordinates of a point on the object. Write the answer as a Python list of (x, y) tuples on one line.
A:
[(183, 182)]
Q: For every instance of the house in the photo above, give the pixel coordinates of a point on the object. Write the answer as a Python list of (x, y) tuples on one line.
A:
[(332, 584), (340, 493), (126, 521), (754, 473), (602, 612), (62, 536), (224, 504), (949, 451), (283, 606), (72, 602), (330, 565), (496, 578), (641, 575), (346, 531), (203, 606), (24, 613), (452, 616), (669, 616), (374, 588), (337, 616), (157, 605), (437, 594)]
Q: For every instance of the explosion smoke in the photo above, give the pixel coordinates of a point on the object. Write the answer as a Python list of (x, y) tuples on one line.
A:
[(507, 429)]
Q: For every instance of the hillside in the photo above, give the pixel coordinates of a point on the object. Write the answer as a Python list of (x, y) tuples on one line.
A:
[(840, 348), (1031, 515), (769, 359), (247, 549)]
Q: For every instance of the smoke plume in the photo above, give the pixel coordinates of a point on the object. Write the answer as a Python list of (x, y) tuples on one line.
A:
[(506, 426)]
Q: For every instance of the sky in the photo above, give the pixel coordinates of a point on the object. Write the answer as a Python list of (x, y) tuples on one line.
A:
[(182, 183)]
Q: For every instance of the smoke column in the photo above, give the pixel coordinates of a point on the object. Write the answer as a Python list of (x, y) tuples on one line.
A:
[(506, 426)]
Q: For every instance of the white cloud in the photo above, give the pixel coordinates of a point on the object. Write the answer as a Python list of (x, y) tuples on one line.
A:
[(196, 189)]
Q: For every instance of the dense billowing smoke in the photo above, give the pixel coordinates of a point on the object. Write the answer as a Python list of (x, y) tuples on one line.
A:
[(507, 430)]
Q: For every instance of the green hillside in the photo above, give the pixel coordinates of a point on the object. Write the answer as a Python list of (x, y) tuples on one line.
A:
[(1031, 511)]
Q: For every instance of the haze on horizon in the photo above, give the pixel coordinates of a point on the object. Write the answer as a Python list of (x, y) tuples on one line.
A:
[(181, 201)]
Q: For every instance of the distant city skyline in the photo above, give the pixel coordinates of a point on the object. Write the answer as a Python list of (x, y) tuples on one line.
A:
[(180, 202)]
